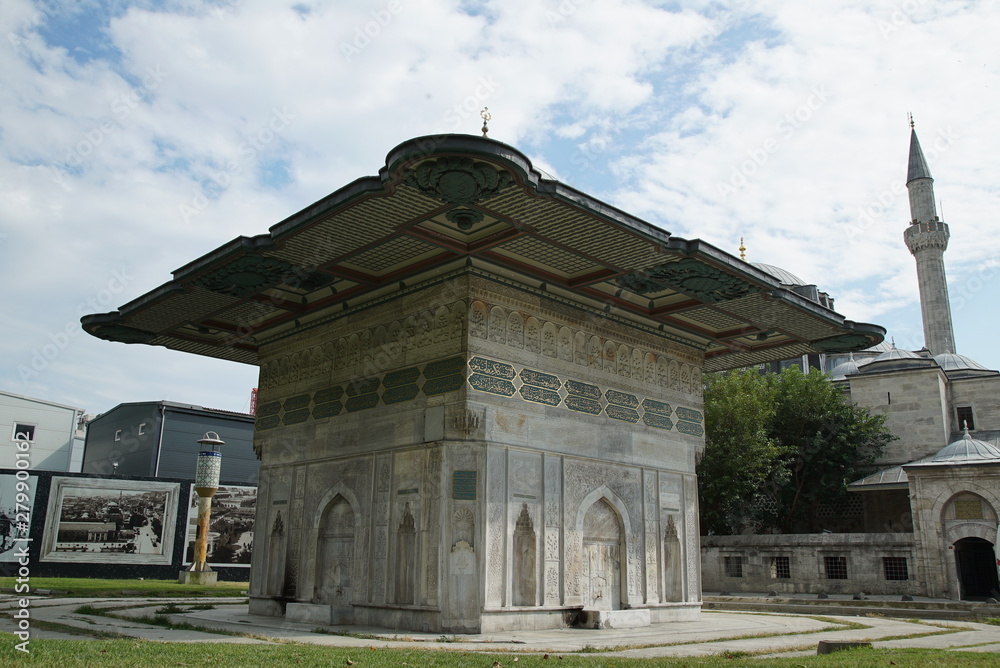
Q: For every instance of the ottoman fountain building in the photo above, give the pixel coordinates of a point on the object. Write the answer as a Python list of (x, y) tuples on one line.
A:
[(480, 393)]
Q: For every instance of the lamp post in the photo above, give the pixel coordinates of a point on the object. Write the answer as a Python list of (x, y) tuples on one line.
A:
[(206, 484)]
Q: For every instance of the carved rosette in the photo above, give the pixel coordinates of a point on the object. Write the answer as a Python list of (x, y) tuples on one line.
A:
[(248, 275), (691, 277), (458, 180)]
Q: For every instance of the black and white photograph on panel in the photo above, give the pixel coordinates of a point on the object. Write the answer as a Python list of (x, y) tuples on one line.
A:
[(230, 527), (111, 521), (17, 501)]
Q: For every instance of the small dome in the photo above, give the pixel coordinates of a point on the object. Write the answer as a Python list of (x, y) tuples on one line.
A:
[(847, 367), (880, 347), (784, 277), (956, 362), (895, 353), (965, 450)]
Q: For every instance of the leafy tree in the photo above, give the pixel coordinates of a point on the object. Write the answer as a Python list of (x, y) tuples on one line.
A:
[(793, 437)]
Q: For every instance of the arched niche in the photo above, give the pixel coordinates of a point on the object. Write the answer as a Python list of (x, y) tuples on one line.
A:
[(335, 553)]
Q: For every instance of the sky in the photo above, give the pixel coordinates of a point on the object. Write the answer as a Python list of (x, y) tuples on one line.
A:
[(137, 136)]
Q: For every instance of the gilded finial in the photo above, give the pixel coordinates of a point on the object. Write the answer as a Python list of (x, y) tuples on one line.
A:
[(485, 113), (743, 250), (910, 117)]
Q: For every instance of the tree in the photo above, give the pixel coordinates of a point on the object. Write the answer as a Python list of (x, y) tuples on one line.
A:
[(792, 438), (740, 454)]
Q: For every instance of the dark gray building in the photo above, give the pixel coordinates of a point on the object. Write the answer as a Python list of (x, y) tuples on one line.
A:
[(160, 439)]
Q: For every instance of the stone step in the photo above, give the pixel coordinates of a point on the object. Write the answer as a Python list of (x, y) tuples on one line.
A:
[(949, 610)]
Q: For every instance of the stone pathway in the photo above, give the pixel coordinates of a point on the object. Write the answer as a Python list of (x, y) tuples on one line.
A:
[(714, 633)]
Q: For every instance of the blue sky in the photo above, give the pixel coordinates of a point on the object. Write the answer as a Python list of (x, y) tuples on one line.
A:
[(135, 137)]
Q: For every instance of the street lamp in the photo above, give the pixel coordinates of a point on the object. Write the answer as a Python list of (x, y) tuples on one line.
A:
[(206, 484)]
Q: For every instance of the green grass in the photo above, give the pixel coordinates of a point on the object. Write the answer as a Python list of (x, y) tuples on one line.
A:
[(128, 653), (101, 588)]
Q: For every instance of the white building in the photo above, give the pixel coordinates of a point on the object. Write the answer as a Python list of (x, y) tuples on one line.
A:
[(49, 427)]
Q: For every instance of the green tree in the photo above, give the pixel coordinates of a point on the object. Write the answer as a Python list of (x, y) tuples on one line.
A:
[(796, 439), (740, 454)]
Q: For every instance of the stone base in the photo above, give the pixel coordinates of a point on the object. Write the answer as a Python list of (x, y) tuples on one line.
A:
[(675, 612), (198, 577), (613, 619), (309, 613), (270, 607), (526, 619)]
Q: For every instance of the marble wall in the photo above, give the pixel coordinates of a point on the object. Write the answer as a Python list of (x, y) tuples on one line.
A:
[(476, 456)]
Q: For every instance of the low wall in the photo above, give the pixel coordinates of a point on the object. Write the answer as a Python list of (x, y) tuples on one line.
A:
[(874, 563)]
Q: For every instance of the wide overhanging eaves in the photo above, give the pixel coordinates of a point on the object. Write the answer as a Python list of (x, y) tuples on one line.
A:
[(449, 204)]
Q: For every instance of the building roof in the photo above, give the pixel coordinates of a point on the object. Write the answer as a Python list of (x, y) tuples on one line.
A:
[(891, 478), (449, 205), (40, 401), (956, 362), (784, 277), (966, 450), (847, 367), (917, 167), (186, 408)]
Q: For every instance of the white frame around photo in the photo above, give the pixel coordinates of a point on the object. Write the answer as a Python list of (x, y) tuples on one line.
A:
[(191, 524), (57, 494)]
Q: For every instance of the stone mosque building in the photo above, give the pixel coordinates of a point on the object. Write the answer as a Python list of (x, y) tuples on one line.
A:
[(480, 398), (926, 522)]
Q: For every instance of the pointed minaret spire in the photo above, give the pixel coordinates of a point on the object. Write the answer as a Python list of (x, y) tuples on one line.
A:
[(927, 238), (919, 182)]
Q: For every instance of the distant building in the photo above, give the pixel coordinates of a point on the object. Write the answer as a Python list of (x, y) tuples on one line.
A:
[(926, 522), (160, 439), (49, 427)]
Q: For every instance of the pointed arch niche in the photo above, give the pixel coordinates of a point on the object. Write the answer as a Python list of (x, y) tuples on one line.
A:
[(335, 553), (603, 525)]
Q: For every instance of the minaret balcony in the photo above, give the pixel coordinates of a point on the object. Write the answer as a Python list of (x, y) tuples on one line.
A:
[(934, 234)]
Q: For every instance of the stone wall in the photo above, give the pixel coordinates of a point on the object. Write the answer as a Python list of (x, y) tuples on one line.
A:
[(916, 403), (476, 456), (811, 563)]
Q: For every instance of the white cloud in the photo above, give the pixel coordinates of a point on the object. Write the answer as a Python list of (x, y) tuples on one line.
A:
[(109, 132)]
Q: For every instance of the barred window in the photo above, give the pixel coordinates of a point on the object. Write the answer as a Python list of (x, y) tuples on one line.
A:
[(781, 568), (836, 568), (965, 418), (733, 566), (895, 568)]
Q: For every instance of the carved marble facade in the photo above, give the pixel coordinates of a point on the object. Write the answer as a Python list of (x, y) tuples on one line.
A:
[(477, 457)]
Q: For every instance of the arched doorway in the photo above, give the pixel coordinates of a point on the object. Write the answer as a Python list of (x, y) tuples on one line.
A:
[(602, 554), (977, 568)]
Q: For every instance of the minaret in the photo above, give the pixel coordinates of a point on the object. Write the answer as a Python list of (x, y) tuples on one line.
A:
[(927, 238)]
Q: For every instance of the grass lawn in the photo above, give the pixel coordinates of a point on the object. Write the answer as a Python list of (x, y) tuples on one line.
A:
[(99, 588), (127, 653)]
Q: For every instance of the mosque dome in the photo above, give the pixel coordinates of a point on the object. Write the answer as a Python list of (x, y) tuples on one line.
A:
[(966, 450), (847, 367), (784, 277), (895, 353), (956, 362)]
